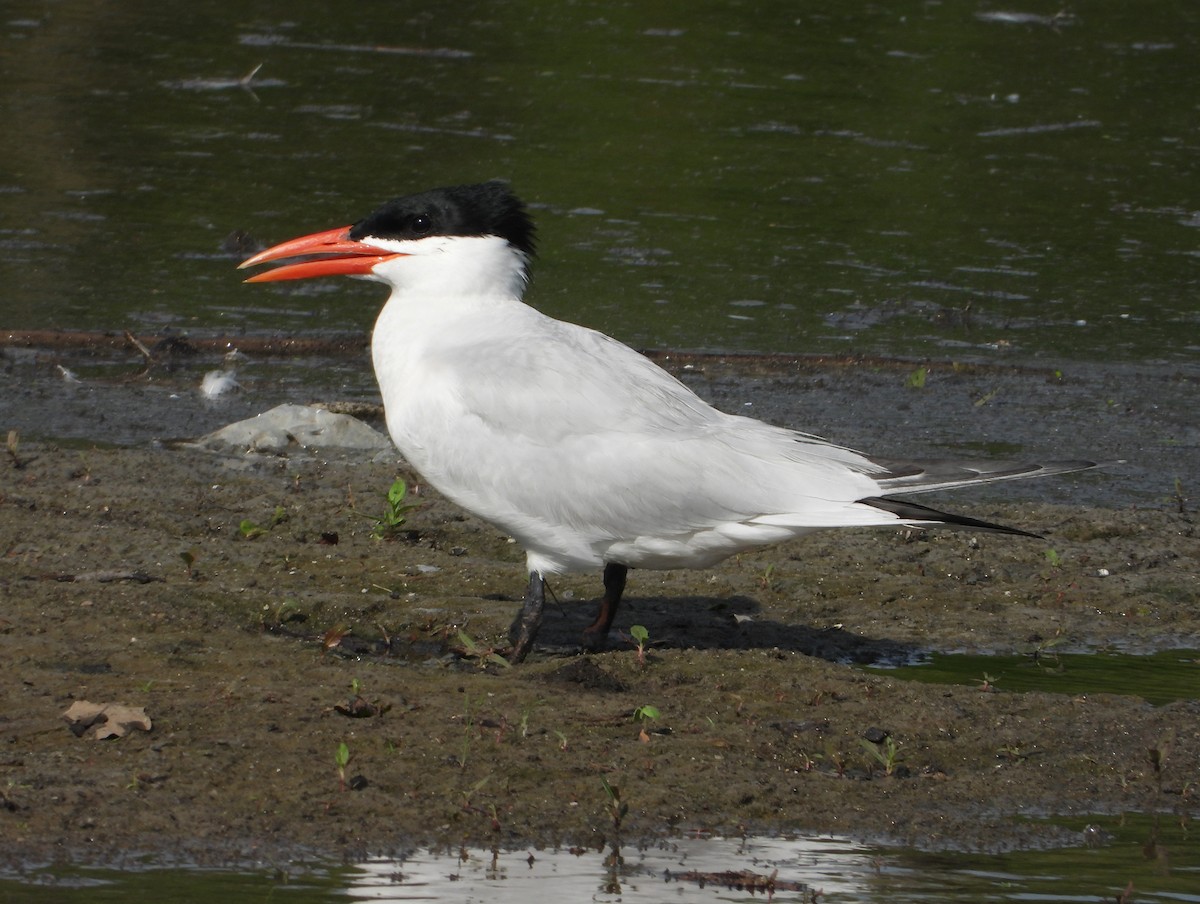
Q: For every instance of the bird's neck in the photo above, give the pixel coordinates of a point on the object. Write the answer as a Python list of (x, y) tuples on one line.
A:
[(464, 268)]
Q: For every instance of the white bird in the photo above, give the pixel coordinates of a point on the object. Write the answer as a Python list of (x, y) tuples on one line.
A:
[(579, 447)]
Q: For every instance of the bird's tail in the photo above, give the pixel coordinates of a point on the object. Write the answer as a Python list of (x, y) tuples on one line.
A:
[(944, 474), (924, 516), (922, 477)]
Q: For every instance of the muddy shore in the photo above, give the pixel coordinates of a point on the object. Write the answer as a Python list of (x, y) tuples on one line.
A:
[(128, 576)]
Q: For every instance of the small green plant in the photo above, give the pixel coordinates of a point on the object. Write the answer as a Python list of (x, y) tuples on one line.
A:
[(1053, 558), (885, 753), (472, 791), (640, 636), (766, 581), (189, 560), (987, 682), (394, 516), (809, 762), (643, 715), (13, 445), (985, 398), (483, 655), (916, 379), (250, 530), (616, 809), (358, 706), (1046, 657), (342, 759)]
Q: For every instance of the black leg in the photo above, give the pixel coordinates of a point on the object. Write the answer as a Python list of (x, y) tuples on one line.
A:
[(595, 635), (525, 627)]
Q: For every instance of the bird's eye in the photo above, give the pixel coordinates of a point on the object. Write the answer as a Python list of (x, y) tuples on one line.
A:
[(421, 224)]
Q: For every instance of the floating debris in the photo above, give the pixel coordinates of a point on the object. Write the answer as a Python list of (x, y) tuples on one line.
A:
[(217, 383)]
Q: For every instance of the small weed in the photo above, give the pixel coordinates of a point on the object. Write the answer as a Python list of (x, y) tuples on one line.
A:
[(472, 791), (13, 445), (643, 714), (483, 655), (765, 581), (358, 706), (987, 682), (840, 764), (562, 739), (809, 762), (1053, 558), (395, 514), (342, 759), (616, 809), (189, 557), (1046, 658), (916, 379), (985, 398), (1014, 752), (640, 637), (886, 754), (250, 530)]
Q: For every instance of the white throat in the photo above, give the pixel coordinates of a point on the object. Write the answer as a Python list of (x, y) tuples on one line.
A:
[(452, 267)]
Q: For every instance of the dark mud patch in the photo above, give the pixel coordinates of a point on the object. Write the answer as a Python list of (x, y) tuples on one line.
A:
[(126, 579)]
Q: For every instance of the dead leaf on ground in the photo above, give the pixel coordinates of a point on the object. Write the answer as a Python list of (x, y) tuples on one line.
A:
[(111, 720)]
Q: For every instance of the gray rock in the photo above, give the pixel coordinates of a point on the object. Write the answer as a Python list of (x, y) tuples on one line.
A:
[(287, 428)]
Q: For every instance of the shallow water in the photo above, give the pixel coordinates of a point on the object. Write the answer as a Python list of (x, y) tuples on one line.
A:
[(915, 178), (1157, 678), (1112, 853)]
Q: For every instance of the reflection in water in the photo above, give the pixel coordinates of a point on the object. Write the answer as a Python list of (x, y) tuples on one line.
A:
[(684, 870), (1155, 856)]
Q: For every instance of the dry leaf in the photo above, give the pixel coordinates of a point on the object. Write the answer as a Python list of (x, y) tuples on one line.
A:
[(111, 720)]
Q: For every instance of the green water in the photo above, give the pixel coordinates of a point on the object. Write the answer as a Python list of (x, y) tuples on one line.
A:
[(1157, 678), (1158, 857), (906, 178)]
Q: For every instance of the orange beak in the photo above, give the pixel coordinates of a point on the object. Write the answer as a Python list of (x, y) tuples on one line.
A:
[(334, 254)]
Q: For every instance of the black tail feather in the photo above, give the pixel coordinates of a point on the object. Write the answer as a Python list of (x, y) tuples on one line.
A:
[(925, 516)]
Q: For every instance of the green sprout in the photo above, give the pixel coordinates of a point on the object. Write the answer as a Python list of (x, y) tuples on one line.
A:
[(250, 530), (616, 809), (643, 714), (886, 754), (483, 655), (640, 636), (394, 517), (342, 759)]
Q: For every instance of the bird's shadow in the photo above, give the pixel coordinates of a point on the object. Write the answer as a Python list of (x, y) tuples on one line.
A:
[(714, 623)]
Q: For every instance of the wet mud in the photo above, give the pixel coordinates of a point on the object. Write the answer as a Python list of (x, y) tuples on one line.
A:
[(244, 604)]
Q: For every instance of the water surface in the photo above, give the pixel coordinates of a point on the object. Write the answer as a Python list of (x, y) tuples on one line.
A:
[(912, 178)]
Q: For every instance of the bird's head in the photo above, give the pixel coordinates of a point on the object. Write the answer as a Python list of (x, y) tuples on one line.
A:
[(452, 235)]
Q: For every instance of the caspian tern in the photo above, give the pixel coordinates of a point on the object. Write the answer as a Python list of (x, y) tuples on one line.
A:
[(579, 447)]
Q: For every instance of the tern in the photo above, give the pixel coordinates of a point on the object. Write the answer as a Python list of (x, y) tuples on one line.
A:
[(583, 450)]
